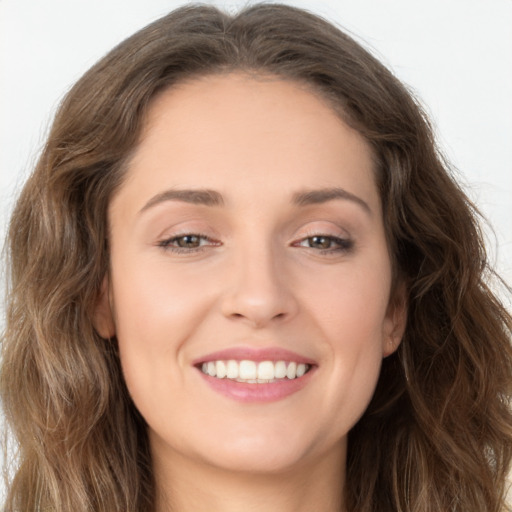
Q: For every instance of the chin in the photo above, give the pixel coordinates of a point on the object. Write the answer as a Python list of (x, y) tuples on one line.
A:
[(262, 462), (263, 453)]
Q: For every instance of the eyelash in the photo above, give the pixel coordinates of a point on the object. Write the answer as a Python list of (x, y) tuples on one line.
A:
[(167, 243), (342, 244)]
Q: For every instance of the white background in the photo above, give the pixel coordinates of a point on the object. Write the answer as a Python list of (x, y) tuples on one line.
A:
[(456, 55)]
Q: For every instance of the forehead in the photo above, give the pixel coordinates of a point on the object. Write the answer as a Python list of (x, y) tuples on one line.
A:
[(223, 131)]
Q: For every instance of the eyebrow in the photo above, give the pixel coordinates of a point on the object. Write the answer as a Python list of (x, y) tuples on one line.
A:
[(323, 195), (203, 197), (207, 197)]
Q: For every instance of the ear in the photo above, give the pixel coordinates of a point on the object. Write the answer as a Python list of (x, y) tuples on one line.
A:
[(103, 319), (395, 321)]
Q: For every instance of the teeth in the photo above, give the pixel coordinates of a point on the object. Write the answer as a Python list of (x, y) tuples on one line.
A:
[(211, 369), (280, 370), (266, 370), (221, 369), (247, 370), (301, 370), (232, 370), (291, 371), (254, 373)]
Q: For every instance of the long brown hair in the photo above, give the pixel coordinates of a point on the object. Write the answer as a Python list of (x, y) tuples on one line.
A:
[(437, 435)]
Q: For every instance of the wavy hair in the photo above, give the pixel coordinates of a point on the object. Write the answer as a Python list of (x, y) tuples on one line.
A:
[(437, 435)]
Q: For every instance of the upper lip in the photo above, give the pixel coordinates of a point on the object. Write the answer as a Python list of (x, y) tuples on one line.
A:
[(254, 354)]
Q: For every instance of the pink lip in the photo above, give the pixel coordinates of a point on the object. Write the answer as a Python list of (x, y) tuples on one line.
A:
[(245, 392), (254, 354)]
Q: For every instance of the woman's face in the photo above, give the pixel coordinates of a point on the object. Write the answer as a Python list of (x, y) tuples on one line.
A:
[(248, 237)]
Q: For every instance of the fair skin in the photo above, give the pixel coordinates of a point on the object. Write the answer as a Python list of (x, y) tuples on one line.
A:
[(283, 260)]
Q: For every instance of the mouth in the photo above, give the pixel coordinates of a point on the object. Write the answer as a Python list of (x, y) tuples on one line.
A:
[(254, 372), (255, 375)]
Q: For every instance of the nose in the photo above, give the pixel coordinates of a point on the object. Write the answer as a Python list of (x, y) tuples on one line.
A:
[(259, 291)]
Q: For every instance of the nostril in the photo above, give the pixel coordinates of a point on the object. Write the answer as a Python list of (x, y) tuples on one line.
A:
[(278, 316)]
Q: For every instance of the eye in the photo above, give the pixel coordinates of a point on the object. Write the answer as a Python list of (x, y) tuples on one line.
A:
[(325, 243), (186, 243)]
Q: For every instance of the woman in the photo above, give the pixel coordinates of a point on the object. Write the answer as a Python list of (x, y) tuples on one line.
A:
[(243, 279)]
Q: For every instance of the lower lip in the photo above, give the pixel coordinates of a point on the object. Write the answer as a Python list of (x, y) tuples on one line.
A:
[(269, 392)]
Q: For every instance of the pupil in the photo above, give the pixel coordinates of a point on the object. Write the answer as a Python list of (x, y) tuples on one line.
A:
[(321, 242), (188, 241)]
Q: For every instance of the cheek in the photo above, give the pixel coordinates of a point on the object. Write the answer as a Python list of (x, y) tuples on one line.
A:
[(351, 314), (354, 327), (351, 304), (156, 308), (156, 312)]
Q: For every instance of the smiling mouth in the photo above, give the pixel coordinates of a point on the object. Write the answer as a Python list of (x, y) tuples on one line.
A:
[(252, 372)]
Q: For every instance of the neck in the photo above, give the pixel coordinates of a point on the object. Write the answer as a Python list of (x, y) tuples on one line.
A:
[(183, 486)]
